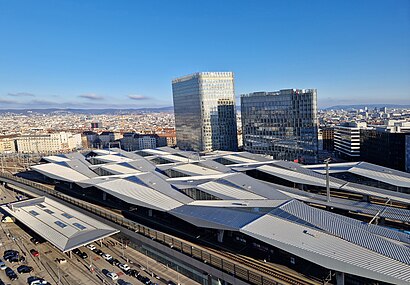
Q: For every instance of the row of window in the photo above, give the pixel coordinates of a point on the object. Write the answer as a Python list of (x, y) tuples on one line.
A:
[(58, 223)]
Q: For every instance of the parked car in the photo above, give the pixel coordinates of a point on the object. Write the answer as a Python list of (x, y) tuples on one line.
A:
[(61, 260), (99, 251), (76, 251), (10, 253), (2, 283), (144, 279), (83, 255), (24, 269), (124, 266), (34, 240), (34, 252), (16, 258), (91, 247), (2, 265), (11, 274), (112, 275), (115, 262), (106, 256), (36, 281), (133, 272)]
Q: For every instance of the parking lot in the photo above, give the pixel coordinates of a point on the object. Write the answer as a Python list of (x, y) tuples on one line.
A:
[(77, 270)]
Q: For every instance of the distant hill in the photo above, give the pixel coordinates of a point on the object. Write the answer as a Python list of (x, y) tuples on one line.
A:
[(169, 109), (361, 106)]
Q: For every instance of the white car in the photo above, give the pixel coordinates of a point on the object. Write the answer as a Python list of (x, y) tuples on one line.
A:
[(38, 281), (2, 265), (91, 247), (124, 266), (112, 275), (106, 256)]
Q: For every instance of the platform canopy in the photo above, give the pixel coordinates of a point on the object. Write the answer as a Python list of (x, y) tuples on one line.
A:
[(62, 226)]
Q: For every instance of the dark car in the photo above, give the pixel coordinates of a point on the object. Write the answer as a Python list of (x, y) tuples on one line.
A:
[(2, 283), (115, 262), (16, 258), (76, 251), (24, 269), (144, 279), (171, 282), (9, 254), (100, 252), (11, 274), (34, 240), (9, 251), (133, 272), (83, 255)]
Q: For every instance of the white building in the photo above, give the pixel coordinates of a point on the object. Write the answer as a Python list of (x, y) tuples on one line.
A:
[(62, 141), (347, 139)]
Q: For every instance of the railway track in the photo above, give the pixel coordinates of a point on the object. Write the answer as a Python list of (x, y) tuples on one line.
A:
[(289, 277)]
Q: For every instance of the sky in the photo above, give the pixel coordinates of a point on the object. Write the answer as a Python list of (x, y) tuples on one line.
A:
[(124, 54)]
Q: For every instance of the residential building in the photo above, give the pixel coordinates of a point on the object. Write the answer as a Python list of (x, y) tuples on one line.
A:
[(134, 141), (347, 140), (7, 144), (91, 138), (62, 141), (107, 137), (282, 124), (204, 108)]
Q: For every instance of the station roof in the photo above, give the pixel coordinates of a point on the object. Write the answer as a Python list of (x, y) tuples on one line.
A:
[(117, 168), (368, 170), (112, 158), (327, 250), (62, 226), (299, 177), (59, 172), (265, 211)]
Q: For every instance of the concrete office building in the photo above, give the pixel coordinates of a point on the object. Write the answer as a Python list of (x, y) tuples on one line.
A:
[(204, 107), (347, 140), (282, 124), (387, 145)]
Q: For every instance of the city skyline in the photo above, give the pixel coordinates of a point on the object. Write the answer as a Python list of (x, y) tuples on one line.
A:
[(78, 55)]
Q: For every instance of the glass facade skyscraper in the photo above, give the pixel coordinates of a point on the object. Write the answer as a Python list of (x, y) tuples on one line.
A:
[(205, 112), (282, 124)]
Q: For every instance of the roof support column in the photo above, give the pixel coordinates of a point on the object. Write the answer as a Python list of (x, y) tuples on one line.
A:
[(340, 278), (220, 235), (366, 198)]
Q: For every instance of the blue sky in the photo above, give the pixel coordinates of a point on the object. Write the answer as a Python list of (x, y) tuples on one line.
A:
[(125, 53)]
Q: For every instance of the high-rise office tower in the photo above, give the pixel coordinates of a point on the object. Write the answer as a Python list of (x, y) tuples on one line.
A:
[(282, 124), (204, 107)]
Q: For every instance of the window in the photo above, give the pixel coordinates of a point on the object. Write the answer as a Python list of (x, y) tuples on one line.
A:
[(68, 216), (33, 213), (41, 206), (80, 226), (48, 211), (60, 224)]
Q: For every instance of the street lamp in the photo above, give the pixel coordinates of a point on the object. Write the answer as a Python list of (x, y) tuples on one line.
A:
[(327, 180)]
